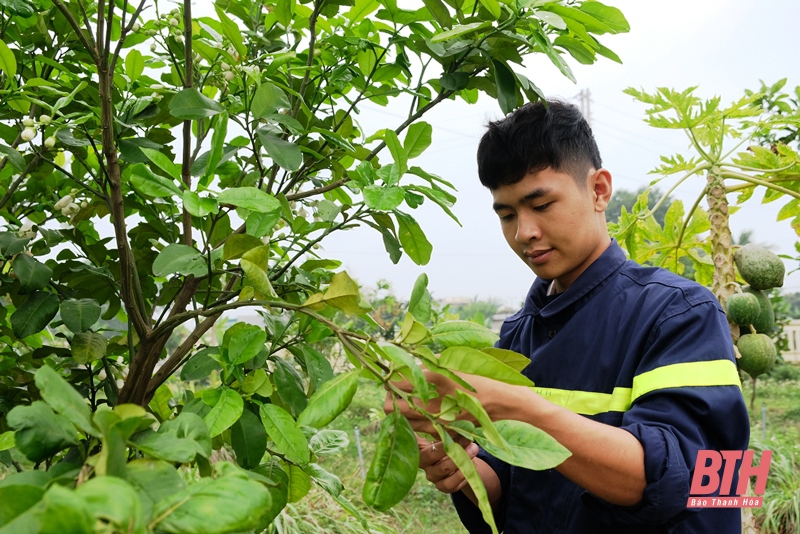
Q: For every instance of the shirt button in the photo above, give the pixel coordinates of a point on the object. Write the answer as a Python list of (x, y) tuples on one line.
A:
[(551, 334)]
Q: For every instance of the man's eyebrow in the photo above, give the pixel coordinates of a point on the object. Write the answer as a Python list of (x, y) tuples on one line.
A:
[(533, 195)]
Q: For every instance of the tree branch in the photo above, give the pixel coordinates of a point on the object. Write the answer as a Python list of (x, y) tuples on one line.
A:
[(78, 30)]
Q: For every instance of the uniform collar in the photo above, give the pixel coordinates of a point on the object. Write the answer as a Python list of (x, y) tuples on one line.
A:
[(594, 277)]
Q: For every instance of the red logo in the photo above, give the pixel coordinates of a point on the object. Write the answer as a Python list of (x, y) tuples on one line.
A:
[(707, 480)]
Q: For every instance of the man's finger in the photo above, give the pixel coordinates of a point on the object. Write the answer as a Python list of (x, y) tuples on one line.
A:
[(431, 454)]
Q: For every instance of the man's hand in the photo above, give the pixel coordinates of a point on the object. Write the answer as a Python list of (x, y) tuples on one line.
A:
[(439, 468)]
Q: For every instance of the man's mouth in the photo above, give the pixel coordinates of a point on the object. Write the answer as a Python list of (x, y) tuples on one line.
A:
[(538, 256)]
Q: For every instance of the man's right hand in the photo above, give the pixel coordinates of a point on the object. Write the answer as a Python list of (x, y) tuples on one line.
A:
[(439, 468)]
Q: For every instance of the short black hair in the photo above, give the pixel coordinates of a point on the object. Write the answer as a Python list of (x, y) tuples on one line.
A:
[(534, 137)]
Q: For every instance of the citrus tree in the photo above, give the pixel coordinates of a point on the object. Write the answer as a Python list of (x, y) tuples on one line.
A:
[(161, 167)]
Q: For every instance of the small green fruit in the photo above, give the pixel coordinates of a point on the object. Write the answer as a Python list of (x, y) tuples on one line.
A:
[(758, 354), (765, 322), (759, 267), (743, 308)]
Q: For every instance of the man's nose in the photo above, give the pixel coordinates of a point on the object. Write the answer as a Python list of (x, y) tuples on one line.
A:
[(527, 229)]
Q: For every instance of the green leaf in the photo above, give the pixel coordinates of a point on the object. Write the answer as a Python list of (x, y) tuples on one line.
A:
[(40, 433), (413, 239), (7, 440), (439, 10), (134, 64), (64, 399), (269, 98), (331, 399), (506, 86), (148, 183), (11, 243), (398, 152), (64, 513), (464, 463), (342, 293), (217, 146), (609, 16), (475, 362), (456, 333), (32, 274), (287, 155), (200, 366), (393, 469), (155, 479), (213, 506), (404, 363), (493, 7), (34, 314), (515, 360), (578, 50), (261, 224), (328, 441), (226, 411), (244, 341), (249, 440), (79, 315), (191, 104), (238, 244), (165, 446), (285, 433), (232, 31), (181, 259), (383, 198), (526, 446), (255, 264), (88, 347), (160, 160), (299, 483), (14, 157), (159, 404), (191, 427), (324, 479), (412, 331), (8, 64), (289, 386), (113, 500), (251, 198), (418, 138), (199, 206), (16, 499), (459, 30), (419, 305)]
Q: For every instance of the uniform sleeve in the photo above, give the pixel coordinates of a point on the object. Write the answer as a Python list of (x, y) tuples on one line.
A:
[(469, 513), (686, 397)]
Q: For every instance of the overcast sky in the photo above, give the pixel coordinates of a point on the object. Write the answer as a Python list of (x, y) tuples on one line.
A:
[(722, 46)]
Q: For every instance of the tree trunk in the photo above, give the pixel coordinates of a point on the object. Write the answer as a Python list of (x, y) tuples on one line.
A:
[(721, 245)]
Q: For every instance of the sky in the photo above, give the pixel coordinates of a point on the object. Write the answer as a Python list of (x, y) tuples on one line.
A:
[(721, 46)]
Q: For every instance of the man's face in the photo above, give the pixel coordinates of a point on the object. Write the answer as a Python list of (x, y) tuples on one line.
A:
[(554, 225)]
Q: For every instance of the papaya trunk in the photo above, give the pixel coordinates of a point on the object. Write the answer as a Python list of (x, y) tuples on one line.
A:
[(721, 244)]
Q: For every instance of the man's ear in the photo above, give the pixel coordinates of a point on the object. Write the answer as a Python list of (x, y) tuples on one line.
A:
[(600, 184)]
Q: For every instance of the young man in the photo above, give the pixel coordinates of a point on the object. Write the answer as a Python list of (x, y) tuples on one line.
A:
[(634, 366)]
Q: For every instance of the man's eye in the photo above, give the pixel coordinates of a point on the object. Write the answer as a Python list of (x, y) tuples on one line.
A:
[(542, 207), (506, 218)]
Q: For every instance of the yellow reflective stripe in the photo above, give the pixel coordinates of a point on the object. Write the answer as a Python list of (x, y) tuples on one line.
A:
[(710, 373), (678, 375), (588, 402)]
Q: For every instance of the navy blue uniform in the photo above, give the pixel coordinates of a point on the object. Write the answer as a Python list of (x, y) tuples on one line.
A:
[(637, 348)]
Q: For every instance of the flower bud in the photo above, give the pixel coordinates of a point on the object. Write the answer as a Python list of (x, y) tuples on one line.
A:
[(45, 119), (224, 66), (179, 39), (101, 375), (228, 75), (84, 204), (65, 201), (27, 122), (173, 22), (28, 134), (50, 142), (153, 47), (136, 27)]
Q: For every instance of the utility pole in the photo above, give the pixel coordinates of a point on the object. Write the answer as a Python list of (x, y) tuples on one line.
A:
[(585, 104)]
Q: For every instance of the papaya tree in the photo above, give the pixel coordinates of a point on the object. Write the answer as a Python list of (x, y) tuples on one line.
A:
[(161, 166)]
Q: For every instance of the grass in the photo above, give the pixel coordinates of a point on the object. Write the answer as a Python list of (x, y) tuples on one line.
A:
[(779, 398)]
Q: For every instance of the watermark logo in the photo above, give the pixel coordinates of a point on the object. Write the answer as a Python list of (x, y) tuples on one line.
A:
[(707, 480)]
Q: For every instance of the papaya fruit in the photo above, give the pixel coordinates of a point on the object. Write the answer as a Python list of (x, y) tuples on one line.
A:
[(758, 354), (765, 322), (759, 267), (743, 308)]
